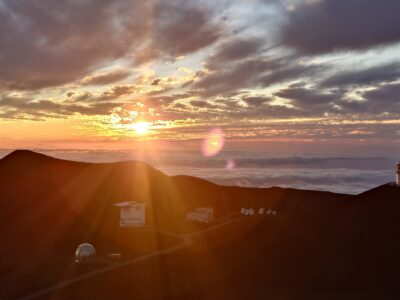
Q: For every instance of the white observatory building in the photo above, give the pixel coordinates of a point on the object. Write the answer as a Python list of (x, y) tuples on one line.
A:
[(201, 214), (398, 174), (85, 254), (132, 214)]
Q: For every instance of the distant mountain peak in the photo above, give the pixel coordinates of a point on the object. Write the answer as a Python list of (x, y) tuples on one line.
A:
[(23, 153), (383, 187)]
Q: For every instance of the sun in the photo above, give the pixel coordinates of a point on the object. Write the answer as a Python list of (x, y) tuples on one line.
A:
[(141, 128)]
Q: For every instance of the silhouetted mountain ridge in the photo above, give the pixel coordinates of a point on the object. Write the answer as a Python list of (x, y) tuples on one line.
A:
[(318, 240)]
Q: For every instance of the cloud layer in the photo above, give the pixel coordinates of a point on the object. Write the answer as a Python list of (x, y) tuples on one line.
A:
[(283, 69), (324, 26)]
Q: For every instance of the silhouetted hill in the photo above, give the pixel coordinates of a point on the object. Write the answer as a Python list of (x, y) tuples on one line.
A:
[(318, 242), (366, 256), (345, 252)]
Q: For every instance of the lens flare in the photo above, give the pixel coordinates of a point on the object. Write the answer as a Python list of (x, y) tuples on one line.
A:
[(230, 164), (213, 143)]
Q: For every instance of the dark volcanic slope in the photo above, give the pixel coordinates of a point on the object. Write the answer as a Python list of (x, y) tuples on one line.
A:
[(318, 242), (345, 252), (367, 257)]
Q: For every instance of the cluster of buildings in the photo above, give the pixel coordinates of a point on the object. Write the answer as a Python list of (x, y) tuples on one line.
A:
[(254, 212), (133, 215)]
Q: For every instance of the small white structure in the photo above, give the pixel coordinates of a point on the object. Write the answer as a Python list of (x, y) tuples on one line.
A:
[(85, 253), (261, 211), (398, 174), (201, 214), (132, 214), (247, 211), (271, 212)]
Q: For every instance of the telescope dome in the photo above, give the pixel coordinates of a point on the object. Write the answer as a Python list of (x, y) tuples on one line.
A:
[(85, 253)]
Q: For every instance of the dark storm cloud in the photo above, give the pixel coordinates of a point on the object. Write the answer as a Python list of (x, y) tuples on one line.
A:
[(48, 43), (373, 75), (327, 25)]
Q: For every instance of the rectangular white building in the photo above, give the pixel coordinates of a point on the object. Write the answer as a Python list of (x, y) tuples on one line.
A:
[(132, 214), (201, 214)]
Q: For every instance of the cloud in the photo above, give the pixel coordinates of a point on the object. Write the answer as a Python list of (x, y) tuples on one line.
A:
[(106, 78), (258, 71), (256, 100), (373, 75), (184, 27), (50, 43), (203, 104), (24, 108), (157, 101), (323, 26), (117, 91), (290, 70), (237, 49), (309, 98), (340, 174), (156, 81), (385, 98), (245, 74)]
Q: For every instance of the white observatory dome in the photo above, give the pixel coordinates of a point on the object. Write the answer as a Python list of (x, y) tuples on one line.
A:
[(85, 253)]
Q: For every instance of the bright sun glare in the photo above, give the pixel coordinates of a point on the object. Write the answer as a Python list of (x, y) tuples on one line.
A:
[(141, 128)]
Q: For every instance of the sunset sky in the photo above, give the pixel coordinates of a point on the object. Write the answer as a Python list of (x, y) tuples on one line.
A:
[(284, 74)]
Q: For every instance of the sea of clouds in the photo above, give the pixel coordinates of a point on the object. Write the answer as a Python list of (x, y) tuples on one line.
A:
[(344, 174)]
